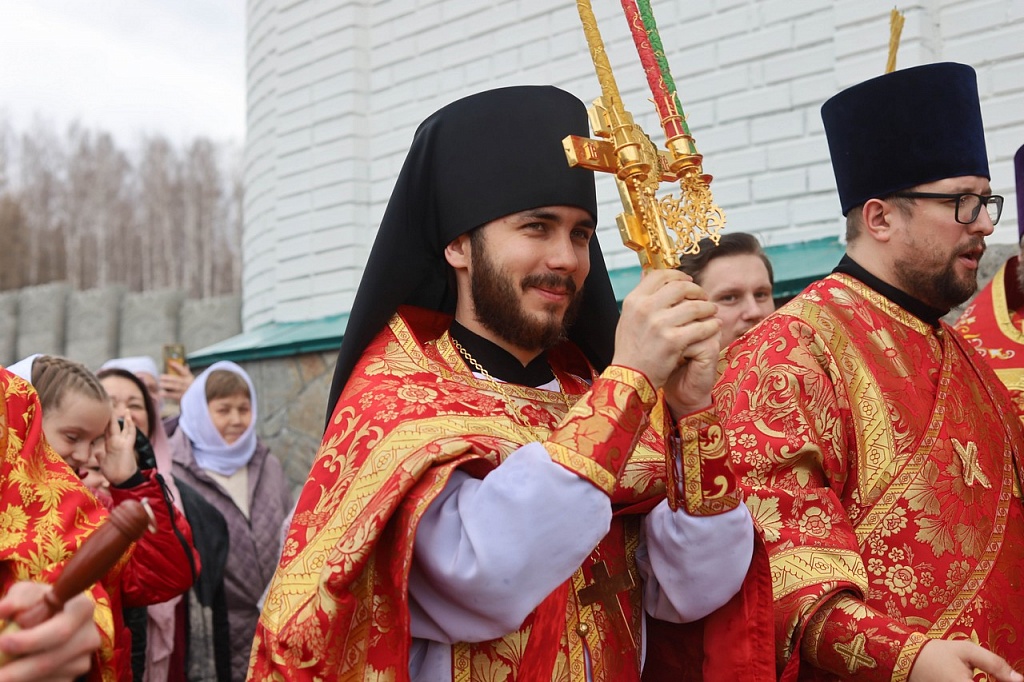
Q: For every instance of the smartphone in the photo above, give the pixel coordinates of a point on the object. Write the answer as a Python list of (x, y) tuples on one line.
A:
[(173, 351)]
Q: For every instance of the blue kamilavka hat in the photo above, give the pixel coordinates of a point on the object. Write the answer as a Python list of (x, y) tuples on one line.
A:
[(904, 129)]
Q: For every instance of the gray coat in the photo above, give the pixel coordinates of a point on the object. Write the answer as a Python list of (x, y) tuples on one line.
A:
[(254, 543)]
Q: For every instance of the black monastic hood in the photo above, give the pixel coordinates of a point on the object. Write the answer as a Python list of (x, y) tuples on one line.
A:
[(478, 159)]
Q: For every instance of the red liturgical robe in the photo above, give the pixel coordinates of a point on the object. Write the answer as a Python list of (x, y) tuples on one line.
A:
[(411, 414), (994, 325), (45, 511), (878, 456)]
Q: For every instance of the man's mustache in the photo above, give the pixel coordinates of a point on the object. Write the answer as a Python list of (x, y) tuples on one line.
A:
[(550, 281), (976, 244)]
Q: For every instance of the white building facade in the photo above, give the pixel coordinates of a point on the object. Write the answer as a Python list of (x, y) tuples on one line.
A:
[(336, 89)]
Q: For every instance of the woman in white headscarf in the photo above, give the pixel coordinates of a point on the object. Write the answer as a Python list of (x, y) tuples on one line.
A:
[(216, 451)]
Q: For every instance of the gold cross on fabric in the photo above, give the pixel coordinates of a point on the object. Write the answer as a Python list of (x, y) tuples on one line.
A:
[(855, 654), (605, 591), (972, 471)]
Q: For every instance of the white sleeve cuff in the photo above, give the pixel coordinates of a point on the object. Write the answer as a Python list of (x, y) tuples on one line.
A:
[(693, 565)]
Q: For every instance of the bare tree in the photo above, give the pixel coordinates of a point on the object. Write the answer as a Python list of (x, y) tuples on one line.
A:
[(95, 205), (229, 266), (40, 164), (80, 208), (201, 194), (6, 149), (14, 239), (160, 212), (12, 228)]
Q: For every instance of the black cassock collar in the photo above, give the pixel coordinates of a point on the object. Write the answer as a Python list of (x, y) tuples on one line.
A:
[(917, 308), (499, 363)]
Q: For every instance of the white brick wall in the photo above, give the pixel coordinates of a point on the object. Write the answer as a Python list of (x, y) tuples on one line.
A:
[(337, 87)]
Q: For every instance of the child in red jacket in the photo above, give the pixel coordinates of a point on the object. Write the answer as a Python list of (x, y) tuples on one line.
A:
[(79, 425)]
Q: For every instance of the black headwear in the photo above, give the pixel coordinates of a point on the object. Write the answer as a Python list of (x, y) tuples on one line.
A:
[(905, 128), (1018, 173), (476, 160)]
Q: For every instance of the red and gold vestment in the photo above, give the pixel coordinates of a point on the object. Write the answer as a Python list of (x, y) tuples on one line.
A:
[(45, 511), (410, 414), (994, 325), (878, 454)]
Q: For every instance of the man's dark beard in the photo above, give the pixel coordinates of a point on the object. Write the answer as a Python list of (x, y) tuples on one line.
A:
[(498, 307), (942, 290)]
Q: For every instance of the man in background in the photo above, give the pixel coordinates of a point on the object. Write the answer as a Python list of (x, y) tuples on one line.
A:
[(737, 277), (994, 322)]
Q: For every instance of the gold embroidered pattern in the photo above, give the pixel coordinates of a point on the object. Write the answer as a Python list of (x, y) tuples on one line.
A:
[(799, 567), (912, 469), (968, 455), (922, 549), (583, 466), (708, 485), (907, 656), (636, 380), (1002, 308), (855, 653), (343, 538), (964, 600)]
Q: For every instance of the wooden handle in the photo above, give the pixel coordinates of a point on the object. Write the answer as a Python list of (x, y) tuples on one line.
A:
[(93, 560)]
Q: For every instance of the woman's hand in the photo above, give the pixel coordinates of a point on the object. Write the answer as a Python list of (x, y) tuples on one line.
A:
[(175, 381), (117, 461)]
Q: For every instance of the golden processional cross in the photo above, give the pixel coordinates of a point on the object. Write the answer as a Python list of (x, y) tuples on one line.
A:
[(660, 230)]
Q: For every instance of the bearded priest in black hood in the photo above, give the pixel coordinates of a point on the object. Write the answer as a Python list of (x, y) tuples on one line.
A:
[(489, 500)]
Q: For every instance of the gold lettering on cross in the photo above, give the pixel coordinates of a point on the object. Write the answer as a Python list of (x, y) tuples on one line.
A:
[(605, 590)]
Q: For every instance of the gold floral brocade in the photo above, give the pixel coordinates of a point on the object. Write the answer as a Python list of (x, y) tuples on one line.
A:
[(708, 485), (877, 457), (996, 331), (45, 511), (412, 413)]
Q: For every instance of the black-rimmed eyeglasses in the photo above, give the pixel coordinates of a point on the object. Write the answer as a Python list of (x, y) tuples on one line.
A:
[(968, 204)]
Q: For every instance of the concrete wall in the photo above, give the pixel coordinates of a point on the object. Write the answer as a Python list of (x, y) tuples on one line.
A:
[(95, 325), (41, 320), (8, 326), (337, 87)]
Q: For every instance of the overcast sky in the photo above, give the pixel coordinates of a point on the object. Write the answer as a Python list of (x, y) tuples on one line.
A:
[(130, 67)]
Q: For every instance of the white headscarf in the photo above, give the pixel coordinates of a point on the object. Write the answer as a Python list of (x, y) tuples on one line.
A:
[(157, 435), (208, 446), (134, 364), (23, 367), (139, 364)]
